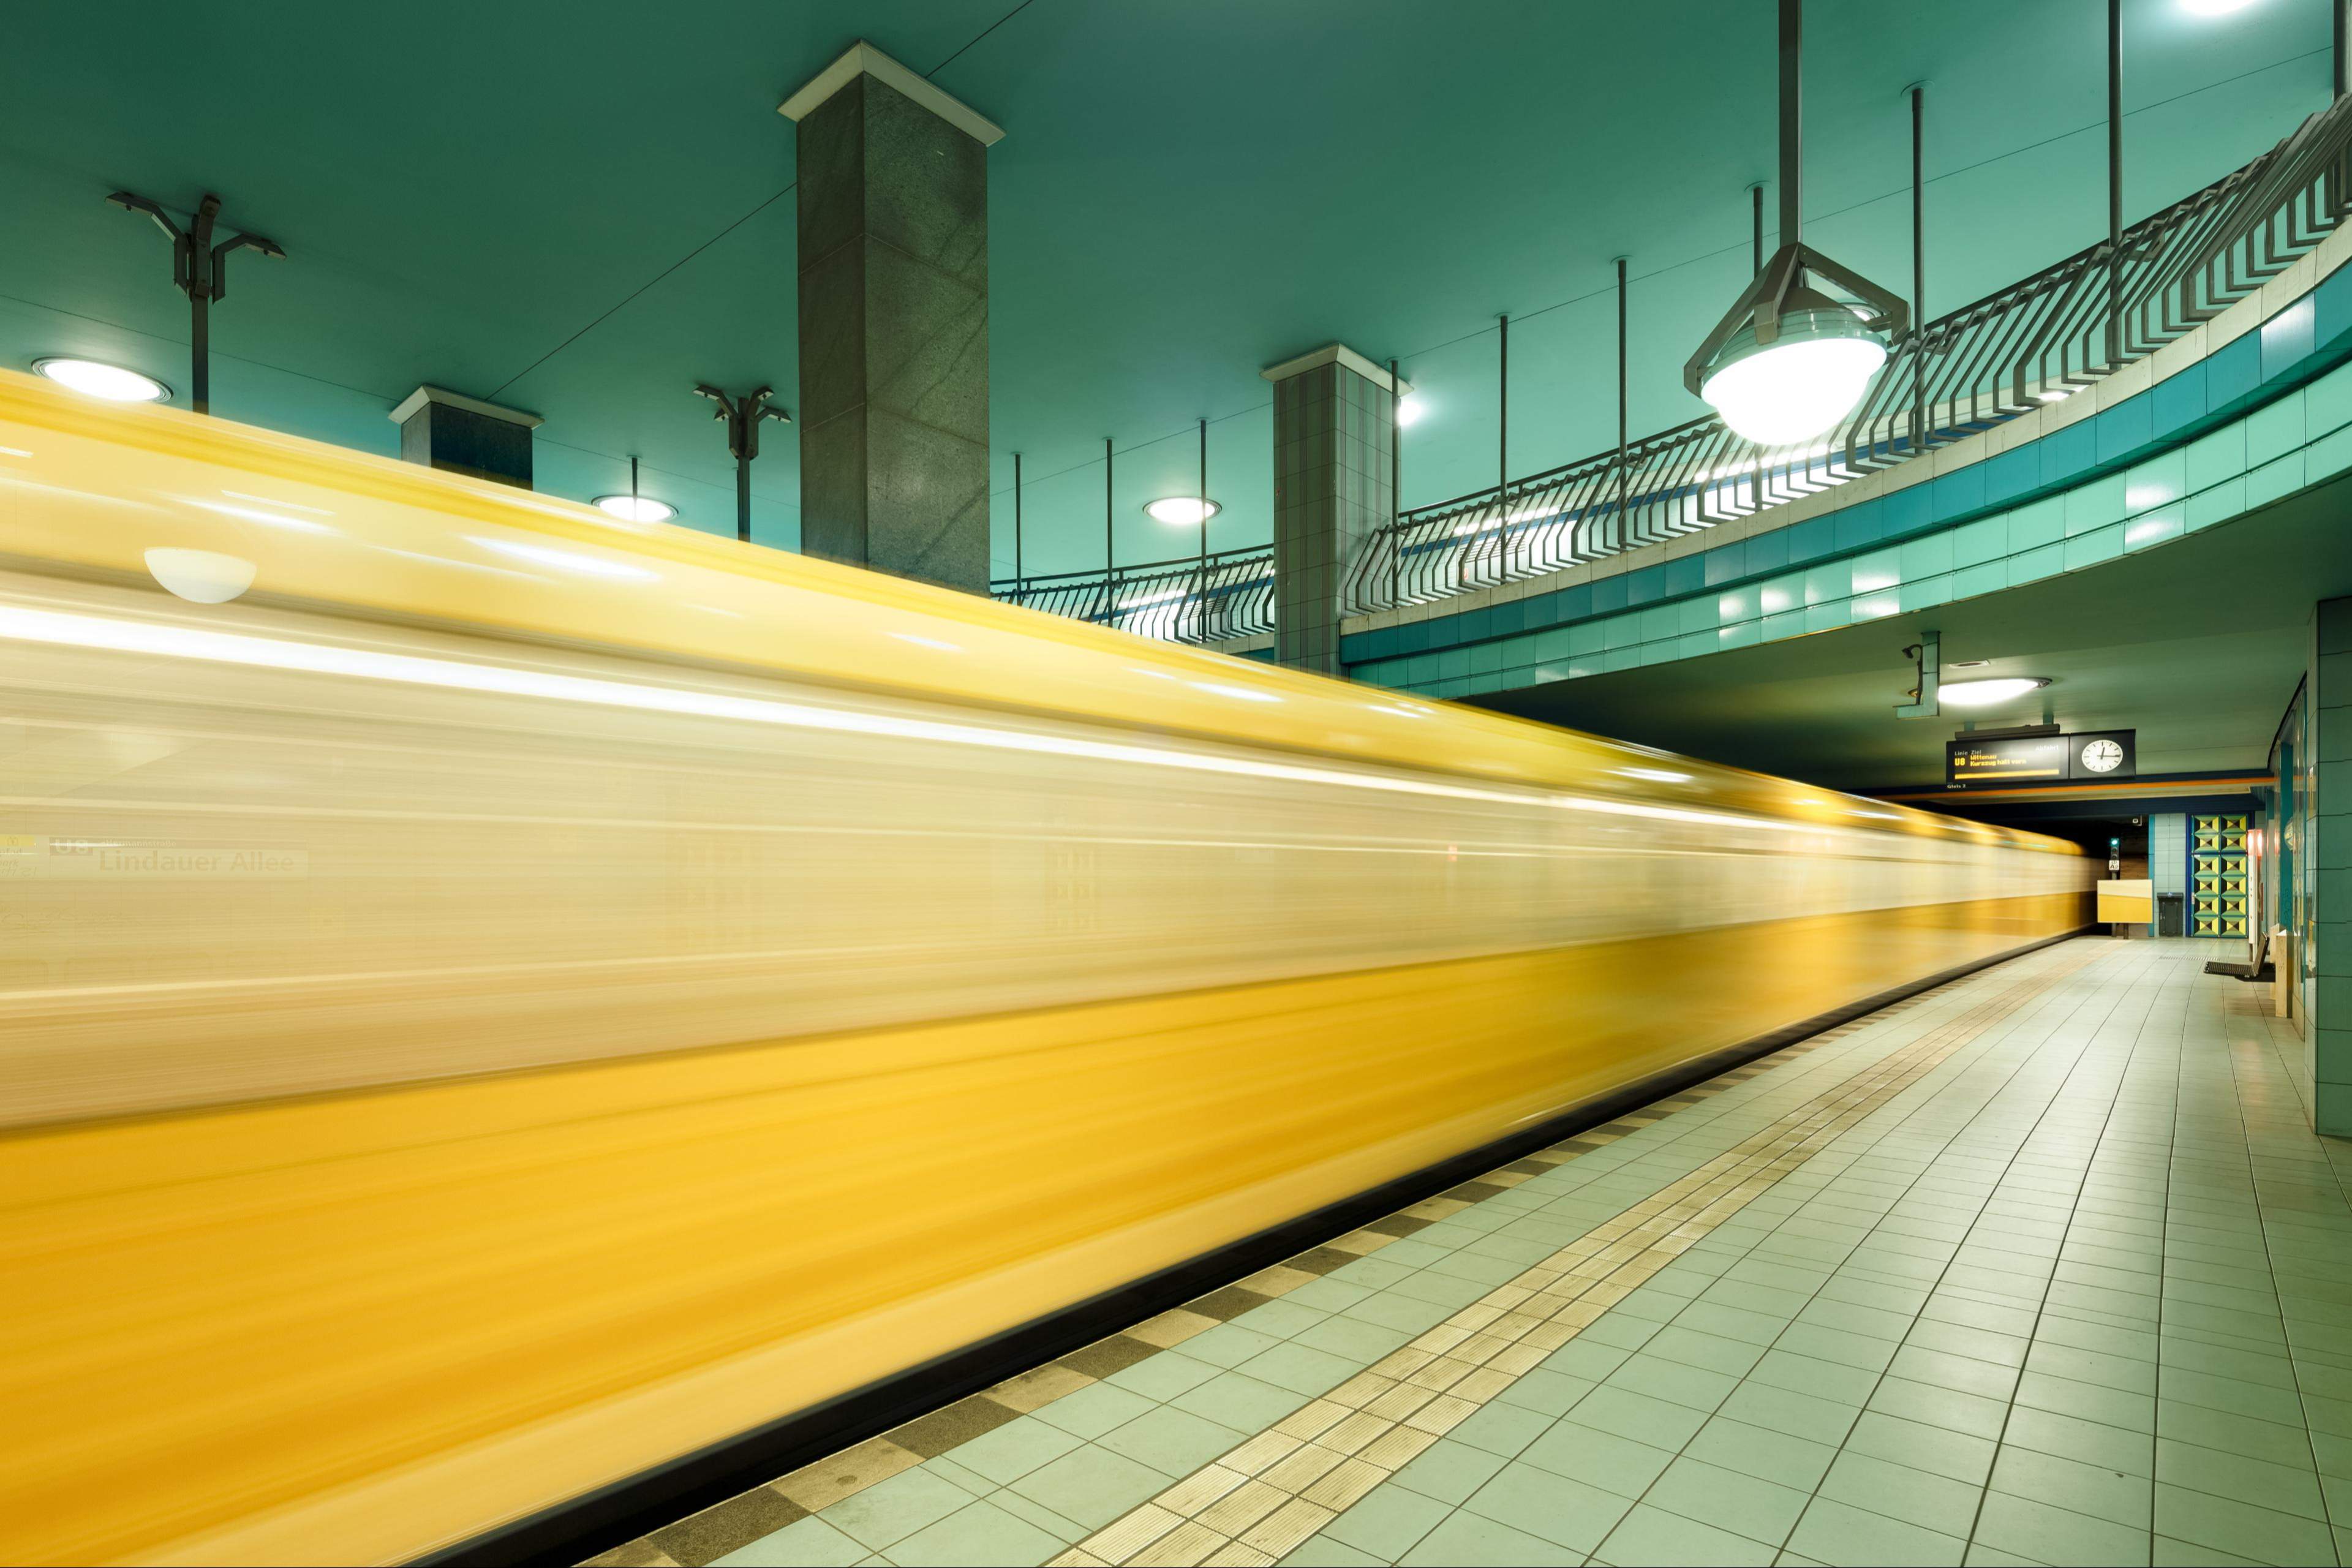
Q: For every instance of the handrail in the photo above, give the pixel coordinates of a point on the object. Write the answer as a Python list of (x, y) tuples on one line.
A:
[(1193, 598), (2041, 339)]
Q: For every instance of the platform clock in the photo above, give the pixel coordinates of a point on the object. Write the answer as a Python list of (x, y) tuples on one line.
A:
[(2103, 756)]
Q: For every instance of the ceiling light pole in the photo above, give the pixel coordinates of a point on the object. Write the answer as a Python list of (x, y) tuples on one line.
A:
[(2114, 181), (1919, 272), (1503, 439), (199, 270), (1204, 531), (745, 416), (1020, 578), (1787, 362), (1396, 487), (1110, 546), (1622, 478)]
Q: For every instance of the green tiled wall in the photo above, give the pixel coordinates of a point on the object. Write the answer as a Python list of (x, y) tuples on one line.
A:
[(2327, 860)]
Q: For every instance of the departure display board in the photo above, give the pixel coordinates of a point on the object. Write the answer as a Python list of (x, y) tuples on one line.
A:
[(2019, 758), (2045, 759)]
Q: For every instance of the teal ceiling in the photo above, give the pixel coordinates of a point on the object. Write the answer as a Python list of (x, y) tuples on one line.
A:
[(582, 209)]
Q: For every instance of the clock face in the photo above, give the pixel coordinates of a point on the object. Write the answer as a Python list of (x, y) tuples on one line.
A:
[(2103, 756)]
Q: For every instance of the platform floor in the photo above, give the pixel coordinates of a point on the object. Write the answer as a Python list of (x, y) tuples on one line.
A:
[(2042, 1266)]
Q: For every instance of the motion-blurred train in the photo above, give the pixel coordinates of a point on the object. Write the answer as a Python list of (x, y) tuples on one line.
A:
[(497, 998)]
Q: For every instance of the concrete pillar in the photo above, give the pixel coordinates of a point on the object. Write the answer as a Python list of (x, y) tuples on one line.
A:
[(893, 321), (2327, 851), (1334, 446), (444, 429)]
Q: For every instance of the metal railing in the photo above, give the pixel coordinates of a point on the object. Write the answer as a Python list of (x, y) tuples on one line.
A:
[(1228, 594), (2038, 340)]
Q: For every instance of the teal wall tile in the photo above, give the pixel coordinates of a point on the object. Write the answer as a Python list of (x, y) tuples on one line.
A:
[(2274, 431), (1878, 569), (1624, 658), (2232, 372), (2126, 428), (1826, 616), (1693, 644), (2286, 339), (1874, 606), (1485, 658), (2095, 504), (2274, 479), (1823, 584), (1725, 562), (2179, 399), (1958, 493), (1698, 613), (2218, 457), (1792, 624), (2032, 565), (2159, 481), (1779, 593), (2090, 549), (2158, 527), (1975, 543), (1768, 551), (1746, 634), (2066, 453), (1923, 593), (1661, 621), (1586, 636), (1552, 642), (2031, 527), (2218, 504), (1989, 578), (2327, 402), (1621, 631), (1926, 556), (2328, 455), (1734, 605)]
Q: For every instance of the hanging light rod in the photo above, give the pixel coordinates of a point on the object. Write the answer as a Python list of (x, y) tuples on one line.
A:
[(1787, 361)]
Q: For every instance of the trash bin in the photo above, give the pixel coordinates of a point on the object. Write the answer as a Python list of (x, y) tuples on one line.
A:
[(2168, 906)]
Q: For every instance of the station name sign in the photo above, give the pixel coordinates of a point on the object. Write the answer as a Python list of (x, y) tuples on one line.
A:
[(2098, 755)]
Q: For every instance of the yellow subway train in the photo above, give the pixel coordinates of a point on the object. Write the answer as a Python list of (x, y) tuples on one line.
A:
[(497, 998)]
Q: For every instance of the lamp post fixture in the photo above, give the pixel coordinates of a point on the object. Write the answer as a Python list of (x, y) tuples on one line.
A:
[(199, 270), (1787, 361), (743, 416)]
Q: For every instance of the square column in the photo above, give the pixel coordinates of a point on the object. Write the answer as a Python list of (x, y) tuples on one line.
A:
[(2326, 862), (1334, 447), (445, 429), (893, 323)]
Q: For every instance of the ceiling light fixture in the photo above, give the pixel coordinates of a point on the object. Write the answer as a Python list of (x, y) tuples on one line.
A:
[(1409, 408), (1787, 361), (1185, 512), (2213, 7), (1986, 693), (636, 509), (111, 382)]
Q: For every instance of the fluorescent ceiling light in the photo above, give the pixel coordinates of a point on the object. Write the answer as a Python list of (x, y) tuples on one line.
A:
[(110, 382), (1409, 408), (1801, 383), (2213, 7), (1986, 693), (1183, 509), (637, 509), (2056, 393)]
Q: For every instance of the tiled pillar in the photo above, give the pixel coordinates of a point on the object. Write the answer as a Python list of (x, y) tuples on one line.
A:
[(1334, 440), (893, 323), (444, 429), (2327, 861)]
